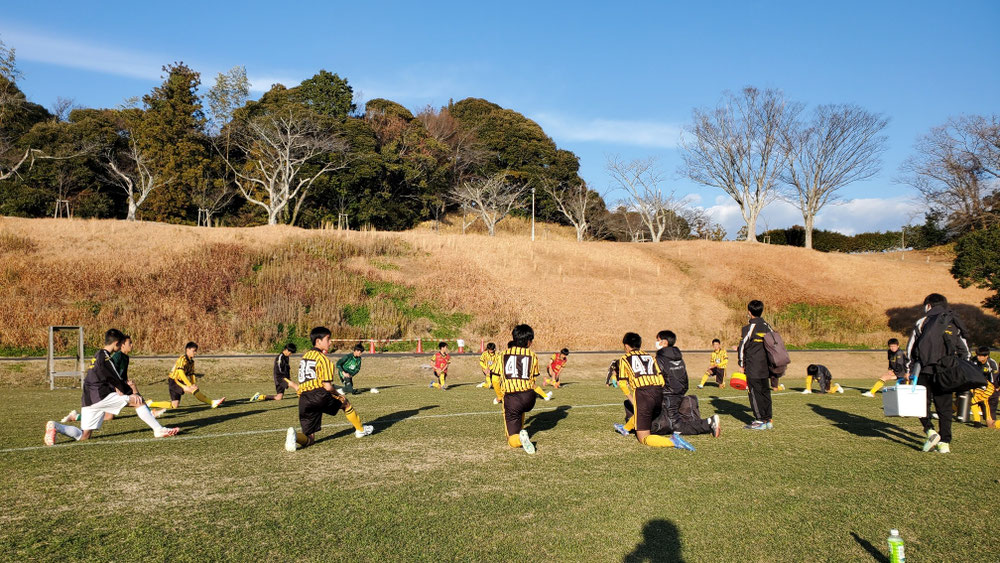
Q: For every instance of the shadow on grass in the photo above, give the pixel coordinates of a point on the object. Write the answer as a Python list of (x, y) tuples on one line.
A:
[(379, 424), (724, 407), (871, 549), (547, 420), (865, 427), (661, 543), (208, 421)]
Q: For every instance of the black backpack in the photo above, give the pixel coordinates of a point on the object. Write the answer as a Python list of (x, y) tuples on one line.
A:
[(938, 347), (954, 374)]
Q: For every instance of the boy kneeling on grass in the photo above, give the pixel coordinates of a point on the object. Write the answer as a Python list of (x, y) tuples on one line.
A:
[(986, 398), (348, 366), (518, 368), (105, 392), (183, 380), (282, 376), (317, 396), (822, 376)]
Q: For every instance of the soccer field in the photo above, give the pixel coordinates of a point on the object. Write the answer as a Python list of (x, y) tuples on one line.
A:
[(437, 481)]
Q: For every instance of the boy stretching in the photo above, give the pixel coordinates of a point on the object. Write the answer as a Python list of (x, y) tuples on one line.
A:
[(442, 359), (555, 367), (282, 376), (646, 384), (104, 392), (518, 368), (317, 395), (348, 366), (898, 363), (717, 366), (986, 397), (183, 380), (822, 376), (487, 361), (120, 361)]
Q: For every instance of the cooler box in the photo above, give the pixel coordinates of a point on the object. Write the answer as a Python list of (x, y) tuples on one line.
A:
[(904, 400)]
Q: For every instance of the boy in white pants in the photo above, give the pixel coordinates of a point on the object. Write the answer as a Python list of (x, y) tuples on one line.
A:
[(104, 392)]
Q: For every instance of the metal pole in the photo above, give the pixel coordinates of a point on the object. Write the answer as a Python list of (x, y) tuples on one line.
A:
[(532, 214)]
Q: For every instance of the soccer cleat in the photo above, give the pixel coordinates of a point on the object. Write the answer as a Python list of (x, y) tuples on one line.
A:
[(73, 416), (340, 391), (548, 396), (768, 425), (867, 394), (166, 432), (157, 413), (840, 388), (781, 387), (529, 448), (713, 421), (756, 425), (373, 390), (935, 416), (480, 385), (496, 401), (680, 443), (217, 402), (50, 433), (701, 387), (932, 440), (431, 385), (944, 448), (620, 428), (290, 444), (256, 397), (366, 430), (806, 391)]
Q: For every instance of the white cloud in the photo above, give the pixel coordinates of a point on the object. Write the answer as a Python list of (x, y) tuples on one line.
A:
[(75, 53), (614, 131), (848, 217)]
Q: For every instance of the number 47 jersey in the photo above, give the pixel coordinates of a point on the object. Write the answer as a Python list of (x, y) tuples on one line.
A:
[(640, 368), (517, 369)]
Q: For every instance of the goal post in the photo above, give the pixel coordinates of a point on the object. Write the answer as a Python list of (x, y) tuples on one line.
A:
[(76, 374)]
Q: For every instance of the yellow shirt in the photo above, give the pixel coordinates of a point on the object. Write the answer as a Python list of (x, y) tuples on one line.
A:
[(517, 368), (487, 359), (314, 369), (720, 359), (640, 369), (183, 372)]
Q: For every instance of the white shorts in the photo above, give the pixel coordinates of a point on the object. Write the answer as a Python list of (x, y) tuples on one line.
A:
[(92, 417)]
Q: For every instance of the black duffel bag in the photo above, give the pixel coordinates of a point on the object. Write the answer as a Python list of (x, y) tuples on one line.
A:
[(953, 374)]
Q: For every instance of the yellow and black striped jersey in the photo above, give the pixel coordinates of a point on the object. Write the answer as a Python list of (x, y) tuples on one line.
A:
[(640, 369), (183, 371), (487, 359), (517, 368), (314, 369)]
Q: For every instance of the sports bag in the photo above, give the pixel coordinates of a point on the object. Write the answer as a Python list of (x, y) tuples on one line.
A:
[(689, 408), (777, 354), (953, 374)]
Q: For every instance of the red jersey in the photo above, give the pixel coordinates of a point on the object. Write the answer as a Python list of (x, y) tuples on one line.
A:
[(556, 365), (441, 361)]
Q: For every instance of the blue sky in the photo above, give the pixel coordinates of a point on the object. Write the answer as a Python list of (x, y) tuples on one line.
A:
[(601, 78)]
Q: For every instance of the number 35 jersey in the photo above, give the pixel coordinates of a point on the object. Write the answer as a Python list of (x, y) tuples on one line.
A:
[(314, 369), (640, 369), (517, 369)]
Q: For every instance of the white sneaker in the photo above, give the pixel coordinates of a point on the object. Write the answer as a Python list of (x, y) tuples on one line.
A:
[(290, 443), (840, 388), (217, 402), (340, 392), (526, 442), (867, 394), (50, 433), (165, 432), (157, 413), (480, 385), (374, 390), (73, 416), (496, 401), (932, 440), (943, 448), (548, 396), (367, 429), (713, 421), (701, 387), (807, 391)]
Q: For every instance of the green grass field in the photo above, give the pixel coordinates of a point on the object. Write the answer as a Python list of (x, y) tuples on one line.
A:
[(436, 481)]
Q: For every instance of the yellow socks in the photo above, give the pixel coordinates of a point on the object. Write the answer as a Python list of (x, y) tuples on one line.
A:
[(159, 404), (201, 397), (656, 441), (630, 425), (514, 441), (878, 385), (496, 388), (704, 380), (353, 418), (809, 383), (441, 379), (539, 392)]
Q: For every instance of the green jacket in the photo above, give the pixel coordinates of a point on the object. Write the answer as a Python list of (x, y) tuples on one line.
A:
[(120, 362), (349, 365)]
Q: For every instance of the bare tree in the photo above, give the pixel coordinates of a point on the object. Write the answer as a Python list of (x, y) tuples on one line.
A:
[(841, 144), (277, 146), (491, 198), (737, 147), (575, 202), (951, 171), (132, 169), (641, 179)]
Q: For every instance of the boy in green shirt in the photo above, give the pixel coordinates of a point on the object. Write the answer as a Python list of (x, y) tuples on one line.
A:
[(349, 366)]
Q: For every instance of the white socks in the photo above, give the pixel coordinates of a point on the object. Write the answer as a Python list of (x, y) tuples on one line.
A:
[(146, 416), (71, 431)]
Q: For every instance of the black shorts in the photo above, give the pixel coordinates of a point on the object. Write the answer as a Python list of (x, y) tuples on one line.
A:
[(280, 385), (648, 403), (175, 390), (514, 407), (314, 404)]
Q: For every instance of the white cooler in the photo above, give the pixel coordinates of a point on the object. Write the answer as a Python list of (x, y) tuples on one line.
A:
[(905, 400)]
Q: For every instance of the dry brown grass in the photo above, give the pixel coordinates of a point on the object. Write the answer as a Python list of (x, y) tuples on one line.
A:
[(230, 289)]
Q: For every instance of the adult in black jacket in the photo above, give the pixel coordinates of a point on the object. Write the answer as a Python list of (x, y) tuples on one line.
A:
[(675, 387), (753, 360), (937, 334)]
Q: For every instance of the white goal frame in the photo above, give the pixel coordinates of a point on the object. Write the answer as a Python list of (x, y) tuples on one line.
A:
[(53, 374)]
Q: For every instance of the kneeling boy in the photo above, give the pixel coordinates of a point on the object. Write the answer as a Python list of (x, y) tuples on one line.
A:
[(282, 376), (822, 376), (183, 380), (646, 383), (518, 368)]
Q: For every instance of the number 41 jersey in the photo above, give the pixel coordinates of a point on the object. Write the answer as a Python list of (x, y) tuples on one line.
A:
[(517, 369), (640, 368)]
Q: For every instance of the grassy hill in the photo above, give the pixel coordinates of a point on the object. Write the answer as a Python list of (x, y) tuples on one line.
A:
[(251, 289)]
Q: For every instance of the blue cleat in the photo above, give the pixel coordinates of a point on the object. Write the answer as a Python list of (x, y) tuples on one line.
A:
[(680, 443), (756, 425), (620, 428)]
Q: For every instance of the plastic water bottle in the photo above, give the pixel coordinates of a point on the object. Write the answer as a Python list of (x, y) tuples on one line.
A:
[(897, 553)]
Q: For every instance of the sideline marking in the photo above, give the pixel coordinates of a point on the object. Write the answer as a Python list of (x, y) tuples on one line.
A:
[(336, 425)]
